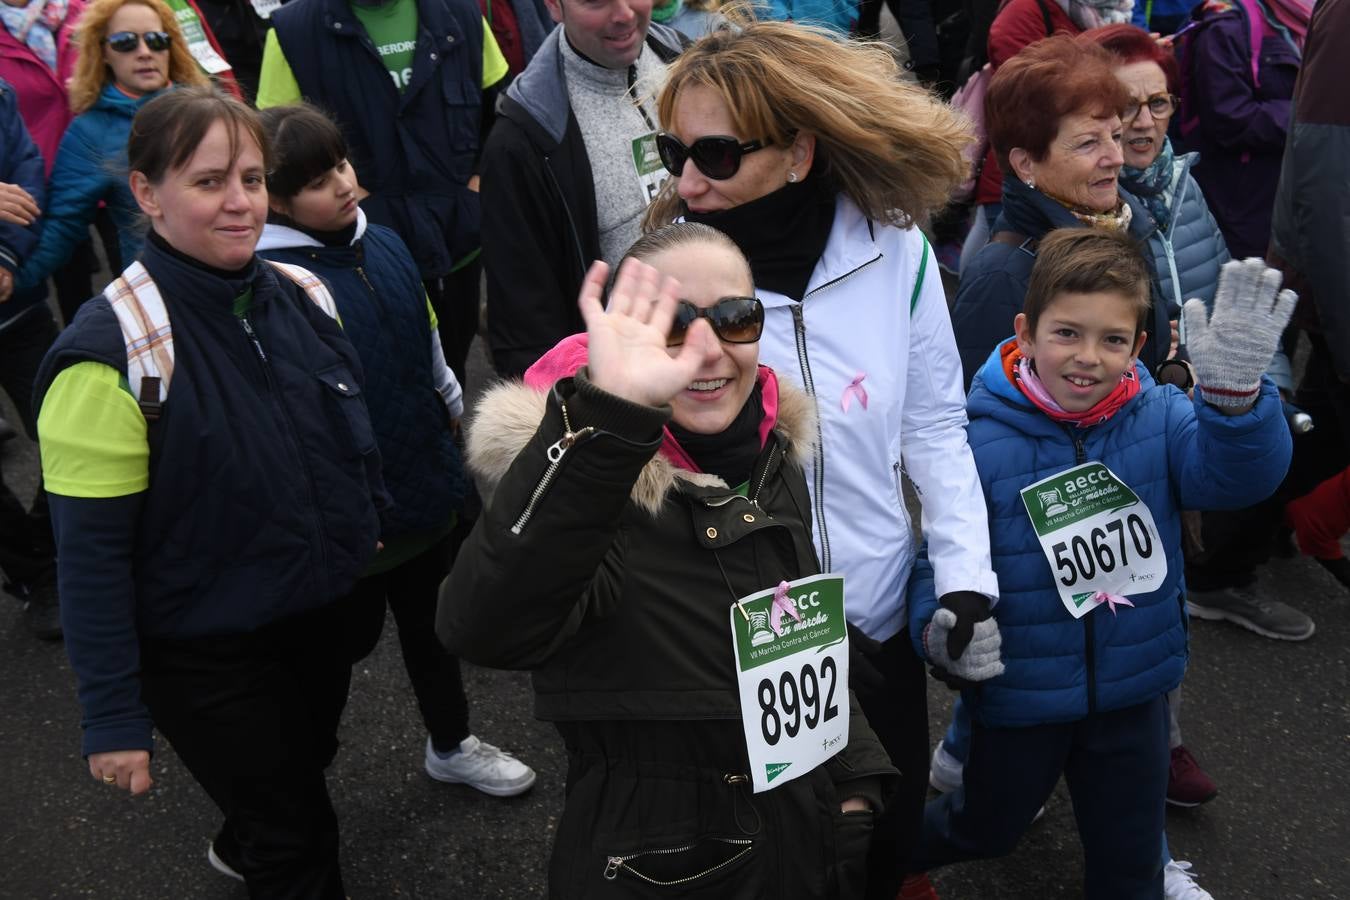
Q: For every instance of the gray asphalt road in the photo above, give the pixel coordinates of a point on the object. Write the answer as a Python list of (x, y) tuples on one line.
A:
[(1269, 720)]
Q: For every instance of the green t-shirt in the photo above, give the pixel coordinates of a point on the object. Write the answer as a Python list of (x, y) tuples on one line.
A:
[(393, 29)]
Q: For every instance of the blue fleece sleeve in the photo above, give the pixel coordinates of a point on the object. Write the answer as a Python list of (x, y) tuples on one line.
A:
[(922, 599), (21, 164), (94, 544), (1227, 462), (79, 181)]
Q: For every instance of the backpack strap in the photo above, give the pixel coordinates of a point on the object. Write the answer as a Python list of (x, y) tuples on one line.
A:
[(144, 321), (311, 284)]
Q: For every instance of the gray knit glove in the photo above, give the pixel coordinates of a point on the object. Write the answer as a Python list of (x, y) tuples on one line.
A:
[(980, 660), (1233, 346)]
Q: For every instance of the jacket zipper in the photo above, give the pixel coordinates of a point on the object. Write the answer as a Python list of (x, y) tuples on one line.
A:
[(366, 281), (295, 442), (615, 863), (804, 362), (556, 451), (763, 477), (1089, 627)]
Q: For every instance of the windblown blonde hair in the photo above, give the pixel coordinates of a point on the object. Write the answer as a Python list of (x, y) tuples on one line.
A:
[(91, 73), (889, 145)]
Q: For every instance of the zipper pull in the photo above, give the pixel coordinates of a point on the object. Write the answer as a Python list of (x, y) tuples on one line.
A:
[(612, 868), (566, 442)]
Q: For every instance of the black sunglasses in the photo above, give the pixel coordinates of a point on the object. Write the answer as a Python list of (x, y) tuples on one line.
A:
[(717, 156), (736, 320), (128, 41)]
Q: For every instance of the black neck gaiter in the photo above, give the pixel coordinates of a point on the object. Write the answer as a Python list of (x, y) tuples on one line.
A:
[(731, 453), (783, 233)]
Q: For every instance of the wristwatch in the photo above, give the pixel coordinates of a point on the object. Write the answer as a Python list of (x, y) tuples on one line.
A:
[(1176, 372)]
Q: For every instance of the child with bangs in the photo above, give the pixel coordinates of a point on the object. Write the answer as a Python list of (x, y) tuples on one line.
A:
[(415, 405), (1086, 464)]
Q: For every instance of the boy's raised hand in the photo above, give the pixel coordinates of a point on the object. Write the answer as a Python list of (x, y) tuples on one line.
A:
[(627, 340), (1231, 348)]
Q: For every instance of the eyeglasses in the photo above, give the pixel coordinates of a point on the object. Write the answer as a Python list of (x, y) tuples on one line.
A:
[(1160, 106), (736, 320), (717, 156), (128, 41)]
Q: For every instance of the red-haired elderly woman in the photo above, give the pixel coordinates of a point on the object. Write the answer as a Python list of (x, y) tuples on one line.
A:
[(1054, 117)]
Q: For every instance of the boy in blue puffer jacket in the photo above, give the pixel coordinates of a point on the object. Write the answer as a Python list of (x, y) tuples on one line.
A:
[(1086, 464)]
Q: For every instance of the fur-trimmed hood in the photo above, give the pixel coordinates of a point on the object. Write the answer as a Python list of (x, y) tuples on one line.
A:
[(509, 414)]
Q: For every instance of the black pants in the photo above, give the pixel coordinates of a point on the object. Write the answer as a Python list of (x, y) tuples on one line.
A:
[(455, 297), (1115, 764), (254, 718), (27, 551), (410, 591), (897, 710)]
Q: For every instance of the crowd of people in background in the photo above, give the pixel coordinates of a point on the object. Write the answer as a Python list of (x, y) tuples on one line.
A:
[(706, 247)]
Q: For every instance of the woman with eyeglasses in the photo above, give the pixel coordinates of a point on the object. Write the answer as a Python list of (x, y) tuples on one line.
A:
[(1053, 113), (645, 478), (131, 51), (817, 159), (1187, 246)]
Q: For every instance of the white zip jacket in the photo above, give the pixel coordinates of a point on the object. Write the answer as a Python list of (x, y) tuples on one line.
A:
[(856, 320)]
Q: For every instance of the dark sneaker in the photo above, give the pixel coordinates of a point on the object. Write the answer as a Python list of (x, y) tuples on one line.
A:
[(41, 612), (1187, 783), (1268, 618), (223, 855)]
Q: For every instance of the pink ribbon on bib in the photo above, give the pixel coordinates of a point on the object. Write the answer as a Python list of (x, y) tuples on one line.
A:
[(782, 605), (854, 389), (1111, 600)]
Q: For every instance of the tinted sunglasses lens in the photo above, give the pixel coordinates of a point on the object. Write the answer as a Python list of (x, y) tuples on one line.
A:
[(716, 157), (673, 154), (157, 40), (124, 41), (685, 314), (738, 320)]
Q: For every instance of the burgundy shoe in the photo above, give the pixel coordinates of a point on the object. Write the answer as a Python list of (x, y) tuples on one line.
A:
[(1187, 783), (916, 887)]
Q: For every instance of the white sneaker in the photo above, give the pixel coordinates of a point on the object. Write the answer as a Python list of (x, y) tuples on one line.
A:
[(945, 772), (482, 766), (1179, 884)]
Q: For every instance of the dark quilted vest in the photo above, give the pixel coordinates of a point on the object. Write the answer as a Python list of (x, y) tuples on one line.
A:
[(384, 313), (415, 150), (262, 472)]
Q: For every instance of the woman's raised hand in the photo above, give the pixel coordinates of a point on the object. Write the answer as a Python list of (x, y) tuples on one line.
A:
[(627, 339)]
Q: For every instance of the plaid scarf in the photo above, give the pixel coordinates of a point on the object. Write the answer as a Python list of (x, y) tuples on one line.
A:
[(49, 15)]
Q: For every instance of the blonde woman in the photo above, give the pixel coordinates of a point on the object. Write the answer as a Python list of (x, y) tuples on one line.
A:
[(131, 50), (817, 159)]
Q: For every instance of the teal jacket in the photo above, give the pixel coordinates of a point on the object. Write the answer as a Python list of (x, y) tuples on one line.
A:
[(91, 166)]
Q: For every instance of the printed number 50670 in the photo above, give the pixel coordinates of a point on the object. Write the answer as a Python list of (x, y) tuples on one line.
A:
[(1077, 559)]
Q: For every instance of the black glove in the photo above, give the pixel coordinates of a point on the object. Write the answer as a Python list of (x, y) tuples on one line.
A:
[(970, 608)]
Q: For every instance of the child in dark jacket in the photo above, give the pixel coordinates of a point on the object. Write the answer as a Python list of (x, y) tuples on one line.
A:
[(1086, 464), (415, 405)]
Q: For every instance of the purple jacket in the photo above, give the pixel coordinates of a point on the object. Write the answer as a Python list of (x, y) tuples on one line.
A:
[(1235, 111), (43, 103)]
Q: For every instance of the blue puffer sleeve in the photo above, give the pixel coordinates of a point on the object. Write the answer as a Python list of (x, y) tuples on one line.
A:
[(923, 601)]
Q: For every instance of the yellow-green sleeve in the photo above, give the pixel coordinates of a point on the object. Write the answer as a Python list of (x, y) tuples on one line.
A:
[(431, 311), (92, 435), (276, 81), (494, 63)]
